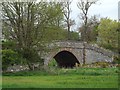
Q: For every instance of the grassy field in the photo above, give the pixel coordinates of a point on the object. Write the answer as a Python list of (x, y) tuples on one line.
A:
[(64, 78), (0, 81)]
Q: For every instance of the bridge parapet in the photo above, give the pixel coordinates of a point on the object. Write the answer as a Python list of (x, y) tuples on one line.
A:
[(101, 50), (79, 45), (70, 44)]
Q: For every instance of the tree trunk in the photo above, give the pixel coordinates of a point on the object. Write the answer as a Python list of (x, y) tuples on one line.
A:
[(68, 31), (84, 54), (31, 67)]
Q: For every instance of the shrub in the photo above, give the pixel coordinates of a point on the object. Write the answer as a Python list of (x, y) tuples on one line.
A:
[(52, 63), (116, 60), (7, 44), (9, 57), (101, 64)]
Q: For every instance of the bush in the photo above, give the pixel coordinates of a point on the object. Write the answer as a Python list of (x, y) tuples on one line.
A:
[(9, 57), (101, 64), (116, 60), (9, 45), (52, 63)]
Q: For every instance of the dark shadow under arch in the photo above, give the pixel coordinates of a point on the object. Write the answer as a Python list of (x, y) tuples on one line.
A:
[(65, 59)]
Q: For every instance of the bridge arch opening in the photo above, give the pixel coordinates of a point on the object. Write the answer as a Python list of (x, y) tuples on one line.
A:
[(66, 59)]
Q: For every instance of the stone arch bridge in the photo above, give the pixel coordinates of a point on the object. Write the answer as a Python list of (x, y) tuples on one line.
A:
[(67, 53)]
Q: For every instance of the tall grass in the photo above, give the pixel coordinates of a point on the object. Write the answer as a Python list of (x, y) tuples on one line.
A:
[(63, 78), (64, 71)]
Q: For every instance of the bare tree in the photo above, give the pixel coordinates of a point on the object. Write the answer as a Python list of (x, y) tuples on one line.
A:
[(92, 32), (84, 6), (68, 20)]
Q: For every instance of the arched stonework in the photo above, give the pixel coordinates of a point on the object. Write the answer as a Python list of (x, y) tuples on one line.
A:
[(66, 59), (75, 52), (93, 53)]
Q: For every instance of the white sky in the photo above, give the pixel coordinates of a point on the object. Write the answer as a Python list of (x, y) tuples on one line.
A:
[(104, 8)]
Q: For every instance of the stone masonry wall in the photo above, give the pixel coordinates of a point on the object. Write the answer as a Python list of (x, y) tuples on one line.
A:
[(94, 53)]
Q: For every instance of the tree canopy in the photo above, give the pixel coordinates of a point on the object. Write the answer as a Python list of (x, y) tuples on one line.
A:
[(108, 34), (31, 25)]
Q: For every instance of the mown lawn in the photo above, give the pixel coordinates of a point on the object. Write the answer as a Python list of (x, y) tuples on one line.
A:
[(65, 78)]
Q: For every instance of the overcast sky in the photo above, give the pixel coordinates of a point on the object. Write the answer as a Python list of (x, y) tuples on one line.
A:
[(104, 8)]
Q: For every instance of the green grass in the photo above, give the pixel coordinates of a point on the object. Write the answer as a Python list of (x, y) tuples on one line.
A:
[(64, 78), (0, 81)]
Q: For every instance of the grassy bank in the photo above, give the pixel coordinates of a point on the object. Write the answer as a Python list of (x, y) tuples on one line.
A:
[(63, 78)]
